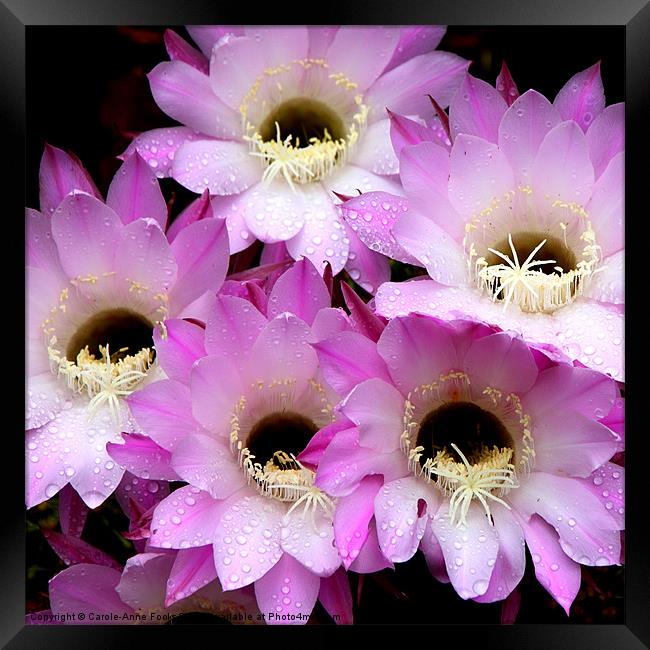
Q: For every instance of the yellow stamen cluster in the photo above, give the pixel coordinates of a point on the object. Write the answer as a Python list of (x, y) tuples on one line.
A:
[(493, 471), (105, 380), (282, 477), (521, 283), (292, 160)]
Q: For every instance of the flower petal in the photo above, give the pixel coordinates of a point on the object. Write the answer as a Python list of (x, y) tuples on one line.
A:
[(193, 568), (201, 252), (185, 94), (361, 53), (564, 389), (470, 550), (187, 517), (371, 216), (41, 250), (582, 98), (87, 233), (431, 246), (606, 207), (608, 285), (424, 170), (158, 147), (511, 558), (588, 533), (479, 175), (606, 136), (571, 444), (143, 580), (502, 361), (522, 129), (208, 464), (476, 109), (562, 170), (205, 36), (300, 290), (232, 329), (375, 151), (250, 523), (377, 408), (323, 238), (367, 268), (607, 484), (558, 574), (163, 410), (287, 592), (400, 526), (87, 588), (223, 167), (180, 348), (143, 457), (134, 193), (352, 518), (430, 547), (347, 359), (282, 351), (309, 538), (335, 596), (60, 174), (145, 259), (236, 63), (404, 89), (414, 41), (417, 350), (180, 50), (213, 399)]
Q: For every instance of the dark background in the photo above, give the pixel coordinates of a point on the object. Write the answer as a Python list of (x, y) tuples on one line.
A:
[(87, 92)]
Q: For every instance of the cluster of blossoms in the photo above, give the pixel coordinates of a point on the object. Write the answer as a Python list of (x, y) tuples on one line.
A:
[(268, 431)]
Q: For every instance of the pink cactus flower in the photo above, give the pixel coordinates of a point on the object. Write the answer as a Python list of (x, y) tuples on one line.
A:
[(243, 399), (277, 119), (520, 224), (469, 445), (101, 279), (99, 594)]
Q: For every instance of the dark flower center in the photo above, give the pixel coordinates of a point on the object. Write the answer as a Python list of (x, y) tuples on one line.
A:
[(302, 118), (471, 428), (286, 432), (526, 242), (123, 330)]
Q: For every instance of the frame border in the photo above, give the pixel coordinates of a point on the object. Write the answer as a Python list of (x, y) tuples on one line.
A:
[(634, 15)]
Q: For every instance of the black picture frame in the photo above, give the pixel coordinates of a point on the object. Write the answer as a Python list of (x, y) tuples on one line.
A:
[(632, 15)]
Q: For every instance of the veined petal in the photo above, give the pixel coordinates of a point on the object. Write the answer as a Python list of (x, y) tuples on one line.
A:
[(60, 174), (476, 109), (606, 136), (300, 290), (400, 526), (201, 252), (352, 518), (223, 167), (523, 128), (185, 94), (404, 89), (208, 464), (134, 193), (582, 98), (474, 545), (282, 351), (286, 590), (195, 526), (180, 348), (235, 531)]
